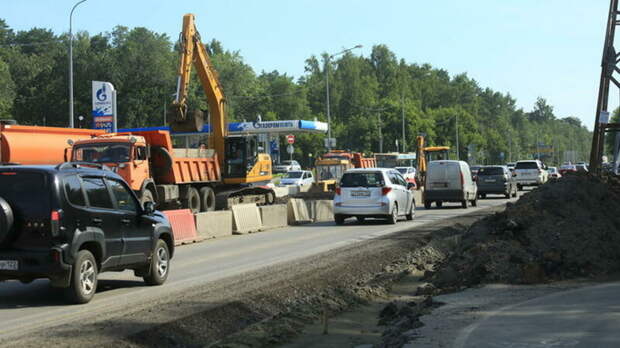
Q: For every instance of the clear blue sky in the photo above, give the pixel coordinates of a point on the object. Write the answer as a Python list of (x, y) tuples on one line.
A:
[(529, 48)]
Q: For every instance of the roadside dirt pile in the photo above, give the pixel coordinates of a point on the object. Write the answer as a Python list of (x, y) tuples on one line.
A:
[(565, 229)]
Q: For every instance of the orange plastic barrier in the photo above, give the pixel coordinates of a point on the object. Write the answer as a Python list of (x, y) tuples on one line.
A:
[(183, 226)]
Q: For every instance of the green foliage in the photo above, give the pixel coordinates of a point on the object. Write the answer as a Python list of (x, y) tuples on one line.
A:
[(369, 96)]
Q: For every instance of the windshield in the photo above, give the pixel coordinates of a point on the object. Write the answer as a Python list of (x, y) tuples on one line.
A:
[(102, 153), (402, 170), (527, 165), (293, 175), (491, 171), (329, 172), (374, 179)]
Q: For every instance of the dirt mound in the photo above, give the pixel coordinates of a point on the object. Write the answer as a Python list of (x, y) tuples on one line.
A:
[(565, 229)]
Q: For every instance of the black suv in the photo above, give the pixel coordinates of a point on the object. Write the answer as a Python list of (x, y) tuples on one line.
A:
[(72, 221)]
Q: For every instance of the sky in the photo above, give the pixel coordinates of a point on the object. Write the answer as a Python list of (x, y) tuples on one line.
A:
[(528, 48)]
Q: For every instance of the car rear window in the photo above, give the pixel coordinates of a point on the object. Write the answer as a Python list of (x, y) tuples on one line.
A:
[(527, 165), (374, 179), (491, 171), (27, 192)]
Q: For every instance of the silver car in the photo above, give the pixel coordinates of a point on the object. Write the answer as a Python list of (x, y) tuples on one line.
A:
[(373, 193)]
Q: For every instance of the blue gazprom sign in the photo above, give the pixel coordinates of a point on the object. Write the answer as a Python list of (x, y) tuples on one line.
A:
[(273, 127)]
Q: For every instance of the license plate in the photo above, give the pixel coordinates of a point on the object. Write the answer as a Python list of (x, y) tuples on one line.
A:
[(439, 184), (9, 265), (489, 180), (360, 194)]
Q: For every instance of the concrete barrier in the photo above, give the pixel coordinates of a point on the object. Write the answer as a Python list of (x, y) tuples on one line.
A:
[(417, 196), (183, 226), (214, 224), (281, 191), (246, 218), (273, 216), (298, 212), (322, 210)]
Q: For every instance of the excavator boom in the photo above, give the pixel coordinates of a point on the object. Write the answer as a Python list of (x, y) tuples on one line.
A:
[(193, 53)]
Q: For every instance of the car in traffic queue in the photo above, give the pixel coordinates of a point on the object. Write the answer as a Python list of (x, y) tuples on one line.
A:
[(70, 222), (474, 171), (530, 173), (496, 180), (373, 193), (554, 173), (567, 168), (300, 178), (449, 181), (409, 174), (286, 166), (581, 167)]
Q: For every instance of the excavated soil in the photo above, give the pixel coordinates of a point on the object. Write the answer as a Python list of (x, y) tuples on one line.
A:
[(565, 229)]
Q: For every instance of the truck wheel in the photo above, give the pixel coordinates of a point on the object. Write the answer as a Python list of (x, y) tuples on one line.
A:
[(83, 278), (160, 265), (427, 204), (147, 196), (6, 219), (270, 198), (439, 204), (192, 200), (207, 198)]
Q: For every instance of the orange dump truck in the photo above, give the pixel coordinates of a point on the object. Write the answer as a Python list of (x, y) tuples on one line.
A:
[(170, 176), (38, 145)]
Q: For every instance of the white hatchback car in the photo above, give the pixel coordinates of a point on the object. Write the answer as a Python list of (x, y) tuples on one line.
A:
[(297, 178), (373, 193)]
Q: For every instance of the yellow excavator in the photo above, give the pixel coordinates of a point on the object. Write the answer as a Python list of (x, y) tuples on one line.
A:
[(426, 154), (238, 155)]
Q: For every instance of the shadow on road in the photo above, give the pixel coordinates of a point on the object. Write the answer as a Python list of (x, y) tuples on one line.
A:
[(40, 294)]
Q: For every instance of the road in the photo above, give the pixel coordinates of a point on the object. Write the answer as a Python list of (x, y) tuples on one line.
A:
[(586, 317), (31, 307)]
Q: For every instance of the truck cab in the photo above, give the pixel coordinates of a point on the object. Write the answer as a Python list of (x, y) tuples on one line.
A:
[(127, 155)]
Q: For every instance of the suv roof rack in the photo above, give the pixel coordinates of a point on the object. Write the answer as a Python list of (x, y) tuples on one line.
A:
[(67, 165)]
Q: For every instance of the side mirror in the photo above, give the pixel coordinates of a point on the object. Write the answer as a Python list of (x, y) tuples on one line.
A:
[(410, 185), (149, 207)]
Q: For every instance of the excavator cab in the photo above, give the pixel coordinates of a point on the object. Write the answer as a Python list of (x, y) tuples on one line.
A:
[(241, 154)]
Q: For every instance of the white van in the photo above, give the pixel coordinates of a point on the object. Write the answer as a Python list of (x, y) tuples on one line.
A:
[(449, 181)]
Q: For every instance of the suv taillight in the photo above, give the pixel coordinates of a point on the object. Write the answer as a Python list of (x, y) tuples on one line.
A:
[(55, 223), (385, 190)]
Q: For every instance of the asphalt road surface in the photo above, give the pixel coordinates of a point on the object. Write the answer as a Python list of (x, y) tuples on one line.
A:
[(31, 307)]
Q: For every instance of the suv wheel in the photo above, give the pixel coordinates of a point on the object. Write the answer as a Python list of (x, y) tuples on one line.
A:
[(160, 265), (411, 213), (83, 278), (393, 218)]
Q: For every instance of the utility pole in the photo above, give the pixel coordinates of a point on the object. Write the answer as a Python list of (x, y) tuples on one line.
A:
[(380, 132), (71, 121), (456, 123), (402, 103), (608, 67)]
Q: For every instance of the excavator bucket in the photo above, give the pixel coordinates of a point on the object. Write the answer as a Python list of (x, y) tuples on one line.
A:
[(186, 122)]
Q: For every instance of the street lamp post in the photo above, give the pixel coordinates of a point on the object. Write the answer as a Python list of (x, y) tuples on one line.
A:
[(71, 124), (329, 124)]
